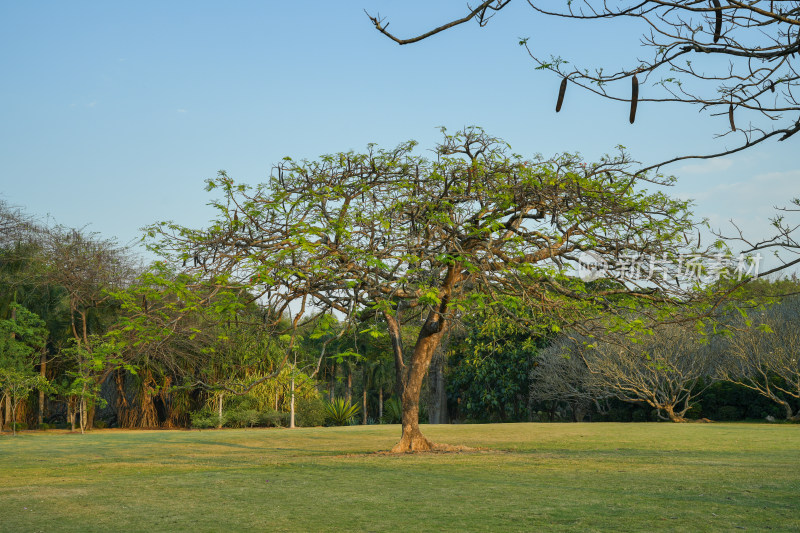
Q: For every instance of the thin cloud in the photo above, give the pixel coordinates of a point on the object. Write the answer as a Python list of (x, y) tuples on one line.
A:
[(788, 176), (706, 167)]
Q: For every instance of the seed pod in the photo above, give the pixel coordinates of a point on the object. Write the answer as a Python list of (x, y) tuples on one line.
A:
[(236, 216), (634, 97), (718, 22), (730, 117), (561, 91), (771, 86)]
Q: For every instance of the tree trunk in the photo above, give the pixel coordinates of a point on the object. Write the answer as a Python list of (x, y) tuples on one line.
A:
[(380, 404), (43, 373), (219, 412), (71, 413), (789, 411), (332, 390), (7, 415), (82, 409), (553, 408), (429, 339), (673, 416), (364, 405), (412, 439), (291, 405), (349, 385), (397, 349), (13, 417), (122, 408)]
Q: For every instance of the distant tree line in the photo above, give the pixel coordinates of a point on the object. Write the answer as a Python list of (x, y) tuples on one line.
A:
[(91, 337), (392, 287), (740, 364)]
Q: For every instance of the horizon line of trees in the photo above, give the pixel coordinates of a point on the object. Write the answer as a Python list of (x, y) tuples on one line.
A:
[(88, 334)]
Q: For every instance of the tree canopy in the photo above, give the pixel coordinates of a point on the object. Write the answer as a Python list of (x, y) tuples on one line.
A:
[(387, 237)]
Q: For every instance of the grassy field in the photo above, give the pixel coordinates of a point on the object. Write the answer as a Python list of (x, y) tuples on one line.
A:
[(526, 477)]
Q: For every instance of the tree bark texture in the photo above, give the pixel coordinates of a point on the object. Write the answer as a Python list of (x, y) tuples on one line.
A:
[(42, 399), (380, 404), (412, 439), (429, 339)]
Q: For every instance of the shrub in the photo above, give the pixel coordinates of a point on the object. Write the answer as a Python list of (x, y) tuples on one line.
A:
[(241, 418), (205, 419), (309, 412), (100, 424), (619, 414), (44, 425), (273, 418), (339, 412), (729, 412)]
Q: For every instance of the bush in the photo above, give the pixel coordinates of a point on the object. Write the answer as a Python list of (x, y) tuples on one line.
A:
[(728, 413), (44, 425), (273, 418), (241, 418), (100, 424), (205, 419), (309, 412), (18, 426), (339, 412), (392, 411), (619, 414)]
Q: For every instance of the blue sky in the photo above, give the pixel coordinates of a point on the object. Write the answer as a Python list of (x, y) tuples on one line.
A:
[(112, 114)]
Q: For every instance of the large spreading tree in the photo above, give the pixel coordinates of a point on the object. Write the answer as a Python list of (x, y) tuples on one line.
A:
[(388, 239)]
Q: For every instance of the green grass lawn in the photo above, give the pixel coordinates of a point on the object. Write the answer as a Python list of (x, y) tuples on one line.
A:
[(526, 477)]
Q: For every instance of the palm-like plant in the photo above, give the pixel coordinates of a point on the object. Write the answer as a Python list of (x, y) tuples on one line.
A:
[(392, 411), (340, 412)]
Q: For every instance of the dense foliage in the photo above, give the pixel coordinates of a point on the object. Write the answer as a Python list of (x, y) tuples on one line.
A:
[(489, 372)]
